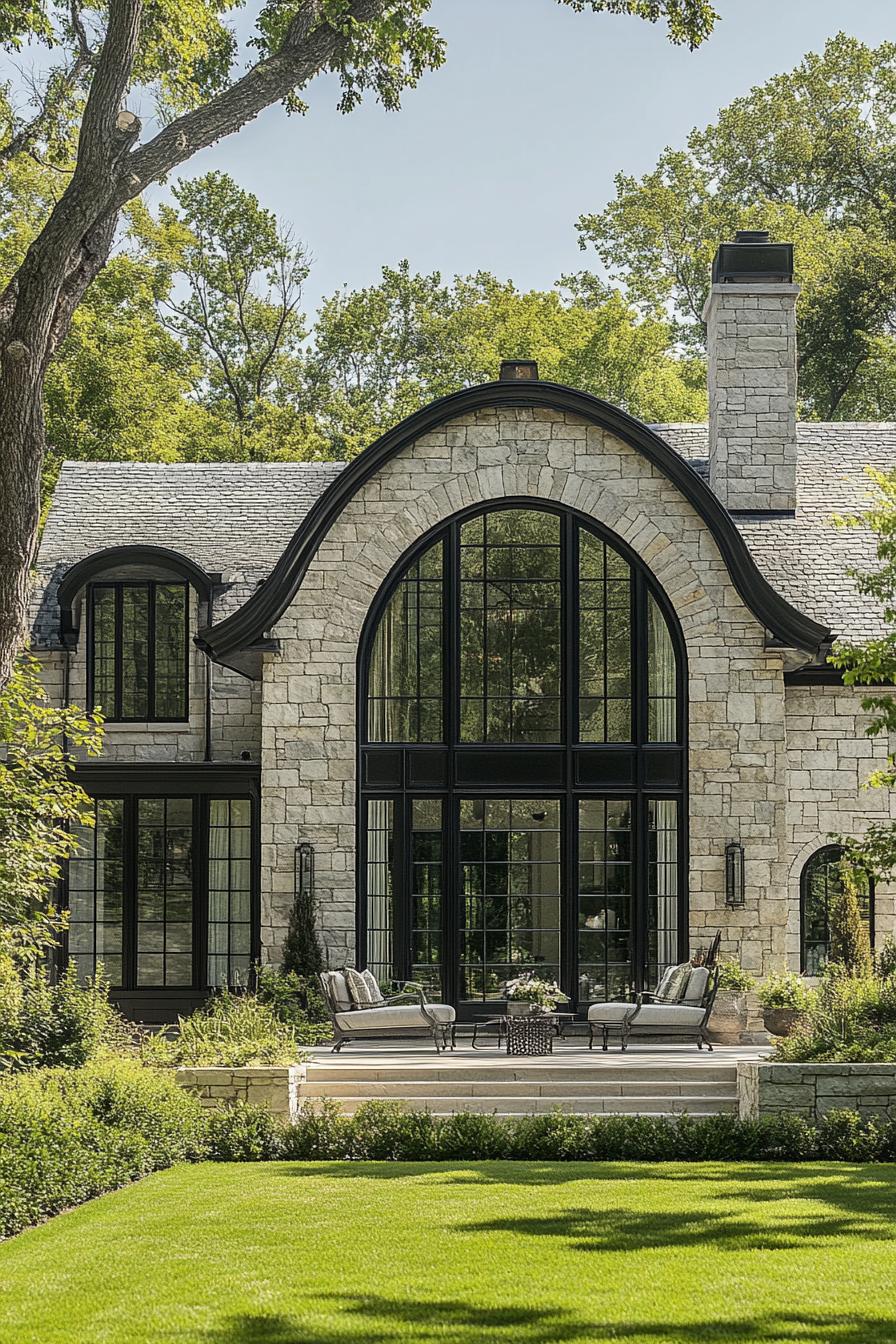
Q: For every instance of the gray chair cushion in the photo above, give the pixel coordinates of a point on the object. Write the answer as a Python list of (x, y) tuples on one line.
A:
[(696, 986), (399, 1015), (610, 1012), (667, 1015), (337, 990)]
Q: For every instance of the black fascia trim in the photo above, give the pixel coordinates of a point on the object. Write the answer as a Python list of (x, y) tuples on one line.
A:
[(150, 777), (80, 574), (266, 605)]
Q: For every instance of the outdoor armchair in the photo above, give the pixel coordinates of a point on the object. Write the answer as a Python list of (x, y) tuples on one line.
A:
[(359, 1010)]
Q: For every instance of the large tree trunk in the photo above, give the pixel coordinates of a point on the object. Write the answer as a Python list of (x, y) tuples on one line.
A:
[(21, 461)]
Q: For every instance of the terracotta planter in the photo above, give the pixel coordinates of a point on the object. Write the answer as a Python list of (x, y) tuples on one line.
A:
[(780, 1021), (728, 1021)]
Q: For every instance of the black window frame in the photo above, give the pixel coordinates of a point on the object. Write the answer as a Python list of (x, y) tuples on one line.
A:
[(831, 855), (118, 587), (129, 790), (569, 770)]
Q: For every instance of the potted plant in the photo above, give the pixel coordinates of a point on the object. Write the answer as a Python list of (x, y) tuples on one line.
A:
[(730, 1013), (784, 998), (530, 993)]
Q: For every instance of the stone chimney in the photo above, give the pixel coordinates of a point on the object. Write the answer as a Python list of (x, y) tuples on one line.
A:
[(750, 320)]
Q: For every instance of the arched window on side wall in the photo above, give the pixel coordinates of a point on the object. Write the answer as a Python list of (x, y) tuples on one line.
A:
[(820, 884)]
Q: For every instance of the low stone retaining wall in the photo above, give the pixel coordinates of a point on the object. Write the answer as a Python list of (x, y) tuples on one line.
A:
[(812, 1089), (275, 1088)]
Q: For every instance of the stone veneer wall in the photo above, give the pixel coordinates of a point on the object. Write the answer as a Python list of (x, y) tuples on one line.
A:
[(736, 696), (275, 1088), (829, 757), (810, 1090), (751, 372)]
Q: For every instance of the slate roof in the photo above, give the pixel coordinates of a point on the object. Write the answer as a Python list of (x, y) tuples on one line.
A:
[(237, 518)]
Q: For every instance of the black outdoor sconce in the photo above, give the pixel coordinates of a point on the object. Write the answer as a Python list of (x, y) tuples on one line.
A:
[(735, 884), (304, 874)]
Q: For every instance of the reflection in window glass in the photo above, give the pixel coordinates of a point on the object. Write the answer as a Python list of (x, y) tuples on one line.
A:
[(164, 891), (662, 677), (95, 894), (229, 891), (606, 889), (426, 894), (605, 643), (822, 884), (662, 886), (405, 677), (170, 650), (380, 905), (510, 621), (138, 659), (103, 628), (510, 863)]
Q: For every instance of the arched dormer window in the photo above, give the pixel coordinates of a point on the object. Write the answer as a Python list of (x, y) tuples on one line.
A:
[(820, 884), (522, 762), (137, 615)]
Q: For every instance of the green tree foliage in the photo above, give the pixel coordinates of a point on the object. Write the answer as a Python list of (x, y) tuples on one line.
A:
[(380, 353), (39, 801), (810, 156), (239, 319), (850, 946)]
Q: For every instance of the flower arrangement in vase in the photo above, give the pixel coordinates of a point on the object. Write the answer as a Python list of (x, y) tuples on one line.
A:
[(531, 993)]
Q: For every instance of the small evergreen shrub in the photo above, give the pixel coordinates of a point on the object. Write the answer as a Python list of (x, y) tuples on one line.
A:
[(850, 945), (850, 1020), (244, 1133), (63, 1025), (786, 989), (297, 1001), (230, 1030)]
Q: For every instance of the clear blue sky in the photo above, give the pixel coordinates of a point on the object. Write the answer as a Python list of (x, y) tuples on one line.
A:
[(493, 158)]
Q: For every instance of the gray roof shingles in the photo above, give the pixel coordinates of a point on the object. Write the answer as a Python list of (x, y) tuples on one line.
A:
[(237, 518)]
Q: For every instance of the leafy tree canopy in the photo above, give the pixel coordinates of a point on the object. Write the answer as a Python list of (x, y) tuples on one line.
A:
[(809, 155)]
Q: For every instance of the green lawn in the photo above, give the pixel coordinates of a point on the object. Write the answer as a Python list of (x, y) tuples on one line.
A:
[(527, 1253)]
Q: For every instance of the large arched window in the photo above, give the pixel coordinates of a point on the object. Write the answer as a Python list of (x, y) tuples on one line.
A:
[(522, 761), (821, 883)]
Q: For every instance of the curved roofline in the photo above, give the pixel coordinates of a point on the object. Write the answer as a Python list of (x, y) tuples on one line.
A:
[(74, 579), (234, 637)]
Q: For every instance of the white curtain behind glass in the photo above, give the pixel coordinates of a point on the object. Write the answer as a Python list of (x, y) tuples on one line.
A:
[(661, 677)]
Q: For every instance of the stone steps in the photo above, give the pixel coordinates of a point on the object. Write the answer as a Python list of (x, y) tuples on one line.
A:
[(586, 1087)]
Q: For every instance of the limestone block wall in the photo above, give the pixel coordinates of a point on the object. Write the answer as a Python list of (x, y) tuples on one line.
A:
[(811, 1090), (275, 1088), (751, 372), (829, 757), (736, 714)]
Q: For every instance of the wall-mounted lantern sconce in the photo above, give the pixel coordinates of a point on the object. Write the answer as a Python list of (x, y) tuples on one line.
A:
[(304, 876), (735, 884)]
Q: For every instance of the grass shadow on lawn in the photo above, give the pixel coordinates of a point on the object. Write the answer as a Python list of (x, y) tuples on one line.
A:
[(388, 1319)]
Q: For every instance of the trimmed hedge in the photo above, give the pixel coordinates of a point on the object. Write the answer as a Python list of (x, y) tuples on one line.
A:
[(384, 1131), (69, 1134)]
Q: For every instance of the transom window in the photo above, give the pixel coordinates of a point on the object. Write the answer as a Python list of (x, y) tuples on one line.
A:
[(821, 884), (137, 650), (160, 892), (522, 765)]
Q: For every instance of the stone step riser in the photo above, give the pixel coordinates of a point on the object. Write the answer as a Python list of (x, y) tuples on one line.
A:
[(498, 1088), (512, 1106), (674, 1076)]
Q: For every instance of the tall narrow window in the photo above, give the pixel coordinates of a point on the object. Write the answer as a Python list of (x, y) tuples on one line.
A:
[(606, 898), (510, 617), (405, 679), (229, 891), (426, 893), (605, 643), (96, 893), (380, 905), (138, 650), (662, 885), (820, 886), (164, 891), (662, 677)]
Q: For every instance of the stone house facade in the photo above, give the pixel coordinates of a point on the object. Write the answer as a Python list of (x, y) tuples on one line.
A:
[(539, 685)]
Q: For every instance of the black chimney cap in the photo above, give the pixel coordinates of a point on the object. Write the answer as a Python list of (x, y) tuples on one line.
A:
[(752, 258), (519, 371)]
